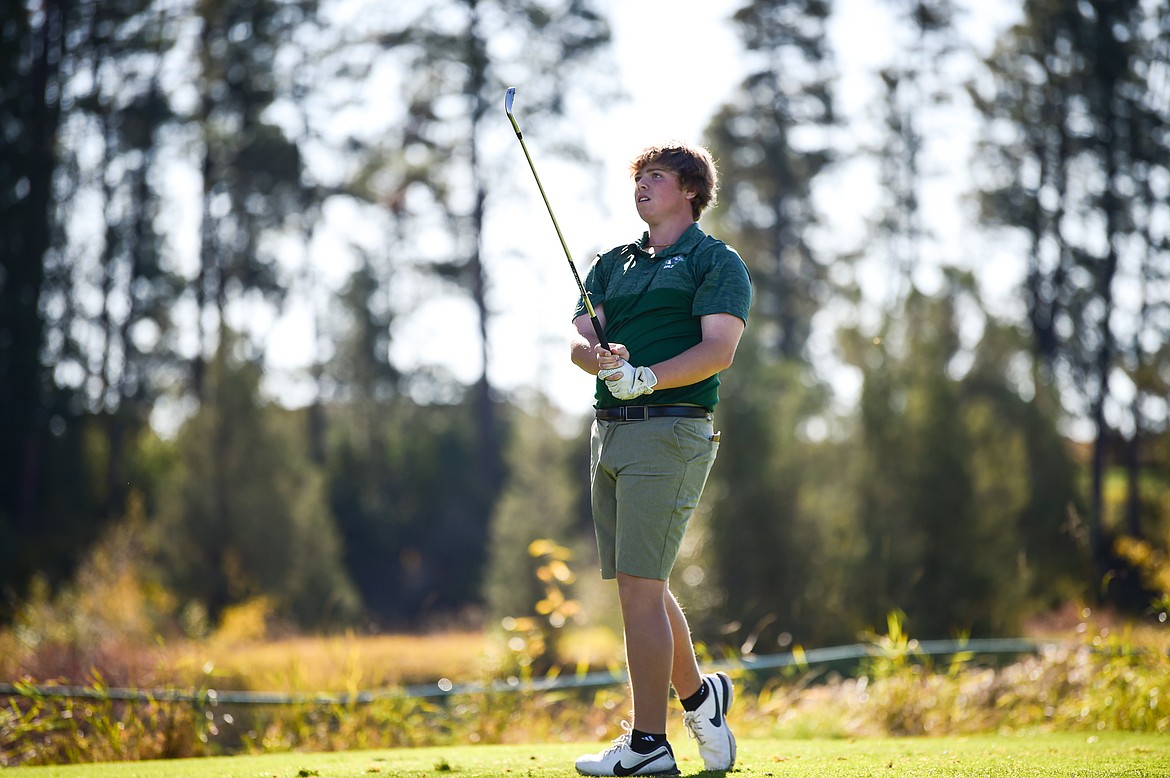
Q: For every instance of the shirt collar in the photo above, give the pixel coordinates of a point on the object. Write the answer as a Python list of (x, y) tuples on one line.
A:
[(690, 238)]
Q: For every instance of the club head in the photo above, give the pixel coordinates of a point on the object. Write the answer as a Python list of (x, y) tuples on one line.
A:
[(509, 98)]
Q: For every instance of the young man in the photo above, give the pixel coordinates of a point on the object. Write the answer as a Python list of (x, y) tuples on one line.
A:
[(673, 306)]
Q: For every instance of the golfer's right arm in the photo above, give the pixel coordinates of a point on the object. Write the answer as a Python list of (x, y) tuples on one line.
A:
[(583, 351)]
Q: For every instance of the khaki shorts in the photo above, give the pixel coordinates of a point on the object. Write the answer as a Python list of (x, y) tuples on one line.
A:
[(647, 477)]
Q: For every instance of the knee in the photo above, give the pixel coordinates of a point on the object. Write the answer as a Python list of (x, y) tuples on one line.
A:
[(641, 595)]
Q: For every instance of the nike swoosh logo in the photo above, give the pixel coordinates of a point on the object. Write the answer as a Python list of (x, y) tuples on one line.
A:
[(621, 769), (717, 719)]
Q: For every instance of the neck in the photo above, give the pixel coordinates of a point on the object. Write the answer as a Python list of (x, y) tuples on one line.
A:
[(662, 235)]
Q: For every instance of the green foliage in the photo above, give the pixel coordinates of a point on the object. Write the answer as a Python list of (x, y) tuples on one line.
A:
[(43, 730), (939, 476), (63, 489), (246, 514), (1107, 682), (1079, 175), (779, 530), (1103, 682), (1022, 465), (533, 529), (946, 494), (1153, 564), (914, 493), (945, 497), (411, 508), (105, 619), (39, 730)]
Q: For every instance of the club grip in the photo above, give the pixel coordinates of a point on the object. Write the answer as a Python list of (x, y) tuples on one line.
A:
[(600, 335)]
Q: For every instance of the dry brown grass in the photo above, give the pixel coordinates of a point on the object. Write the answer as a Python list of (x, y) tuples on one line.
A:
[(341, 663), (338, 663)]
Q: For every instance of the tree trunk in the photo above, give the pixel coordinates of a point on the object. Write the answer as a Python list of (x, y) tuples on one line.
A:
[(26, 238)]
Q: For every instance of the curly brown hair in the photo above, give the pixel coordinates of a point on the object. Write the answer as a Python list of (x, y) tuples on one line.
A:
[(692, 164)]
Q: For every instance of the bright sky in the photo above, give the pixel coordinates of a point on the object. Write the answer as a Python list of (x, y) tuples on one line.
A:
[(667, 54)]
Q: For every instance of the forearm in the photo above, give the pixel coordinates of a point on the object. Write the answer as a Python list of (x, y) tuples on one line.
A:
[(713, 354), (583, 346), (696, 364), (583, 354)]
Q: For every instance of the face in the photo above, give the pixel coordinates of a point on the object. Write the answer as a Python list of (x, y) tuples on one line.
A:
[(658, 196)]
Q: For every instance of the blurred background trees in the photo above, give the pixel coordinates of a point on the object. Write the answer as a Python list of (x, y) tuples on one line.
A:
[(1075, 154), (176, 177)]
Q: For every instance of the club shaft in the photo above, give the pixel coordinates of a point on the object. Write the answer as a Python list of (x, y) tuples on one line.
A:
[(568, 255)]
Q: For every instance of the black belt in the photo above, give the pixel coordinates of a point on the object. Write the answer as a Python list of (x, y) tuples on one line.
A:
[(643, 412)]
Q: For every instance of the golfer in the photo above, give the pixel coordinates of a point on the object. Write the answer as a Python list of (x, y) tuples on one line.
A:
[(673, 306)]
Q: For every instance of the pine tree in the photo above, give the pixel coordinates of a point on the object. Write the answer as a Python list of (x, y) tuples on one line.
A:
[(769, 529), (1075, 159), (246, 514), (84, 304), (771, 143)]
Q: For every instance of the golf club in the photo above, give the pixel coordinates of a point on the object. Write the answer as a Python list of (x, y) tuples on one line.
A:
[(509, 98)]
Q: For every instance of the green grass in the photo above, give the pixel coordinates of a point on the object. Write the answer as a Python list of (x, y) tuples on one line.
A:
[(986, 756)]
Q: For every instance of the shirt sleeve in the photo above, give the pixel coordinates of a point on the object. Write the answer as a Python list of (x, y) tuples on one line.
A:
[(594, 285), (726, 286)]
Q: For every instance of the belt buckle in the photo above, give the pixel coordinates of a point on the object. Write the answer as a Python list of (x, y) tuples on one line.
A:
[(634, 413)]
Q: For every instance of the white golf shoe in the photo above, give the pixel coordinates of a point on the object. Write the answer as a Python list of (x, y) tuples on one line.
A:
[(708, 725), (622, 759)]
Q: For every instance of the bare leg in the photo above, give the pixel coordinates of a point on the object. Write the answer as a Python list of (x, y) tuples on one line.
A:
[(649, 648), (685, 673)]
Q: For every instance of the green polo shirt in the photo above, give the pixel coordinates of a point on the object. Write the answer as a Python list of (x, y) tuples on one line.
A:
[(653, 304)]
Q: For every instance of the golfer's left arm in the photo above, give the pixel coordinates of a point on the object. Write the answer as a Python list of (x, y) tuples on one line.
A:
[(713, 354)]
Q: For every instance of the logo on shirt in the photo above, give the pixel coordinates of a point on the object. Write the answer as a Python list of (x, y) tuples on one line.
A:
[(668, 264)]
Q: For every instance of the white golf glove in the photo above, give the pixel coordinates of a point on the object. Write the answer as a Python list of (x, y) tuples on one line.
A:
[(632, 381)]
